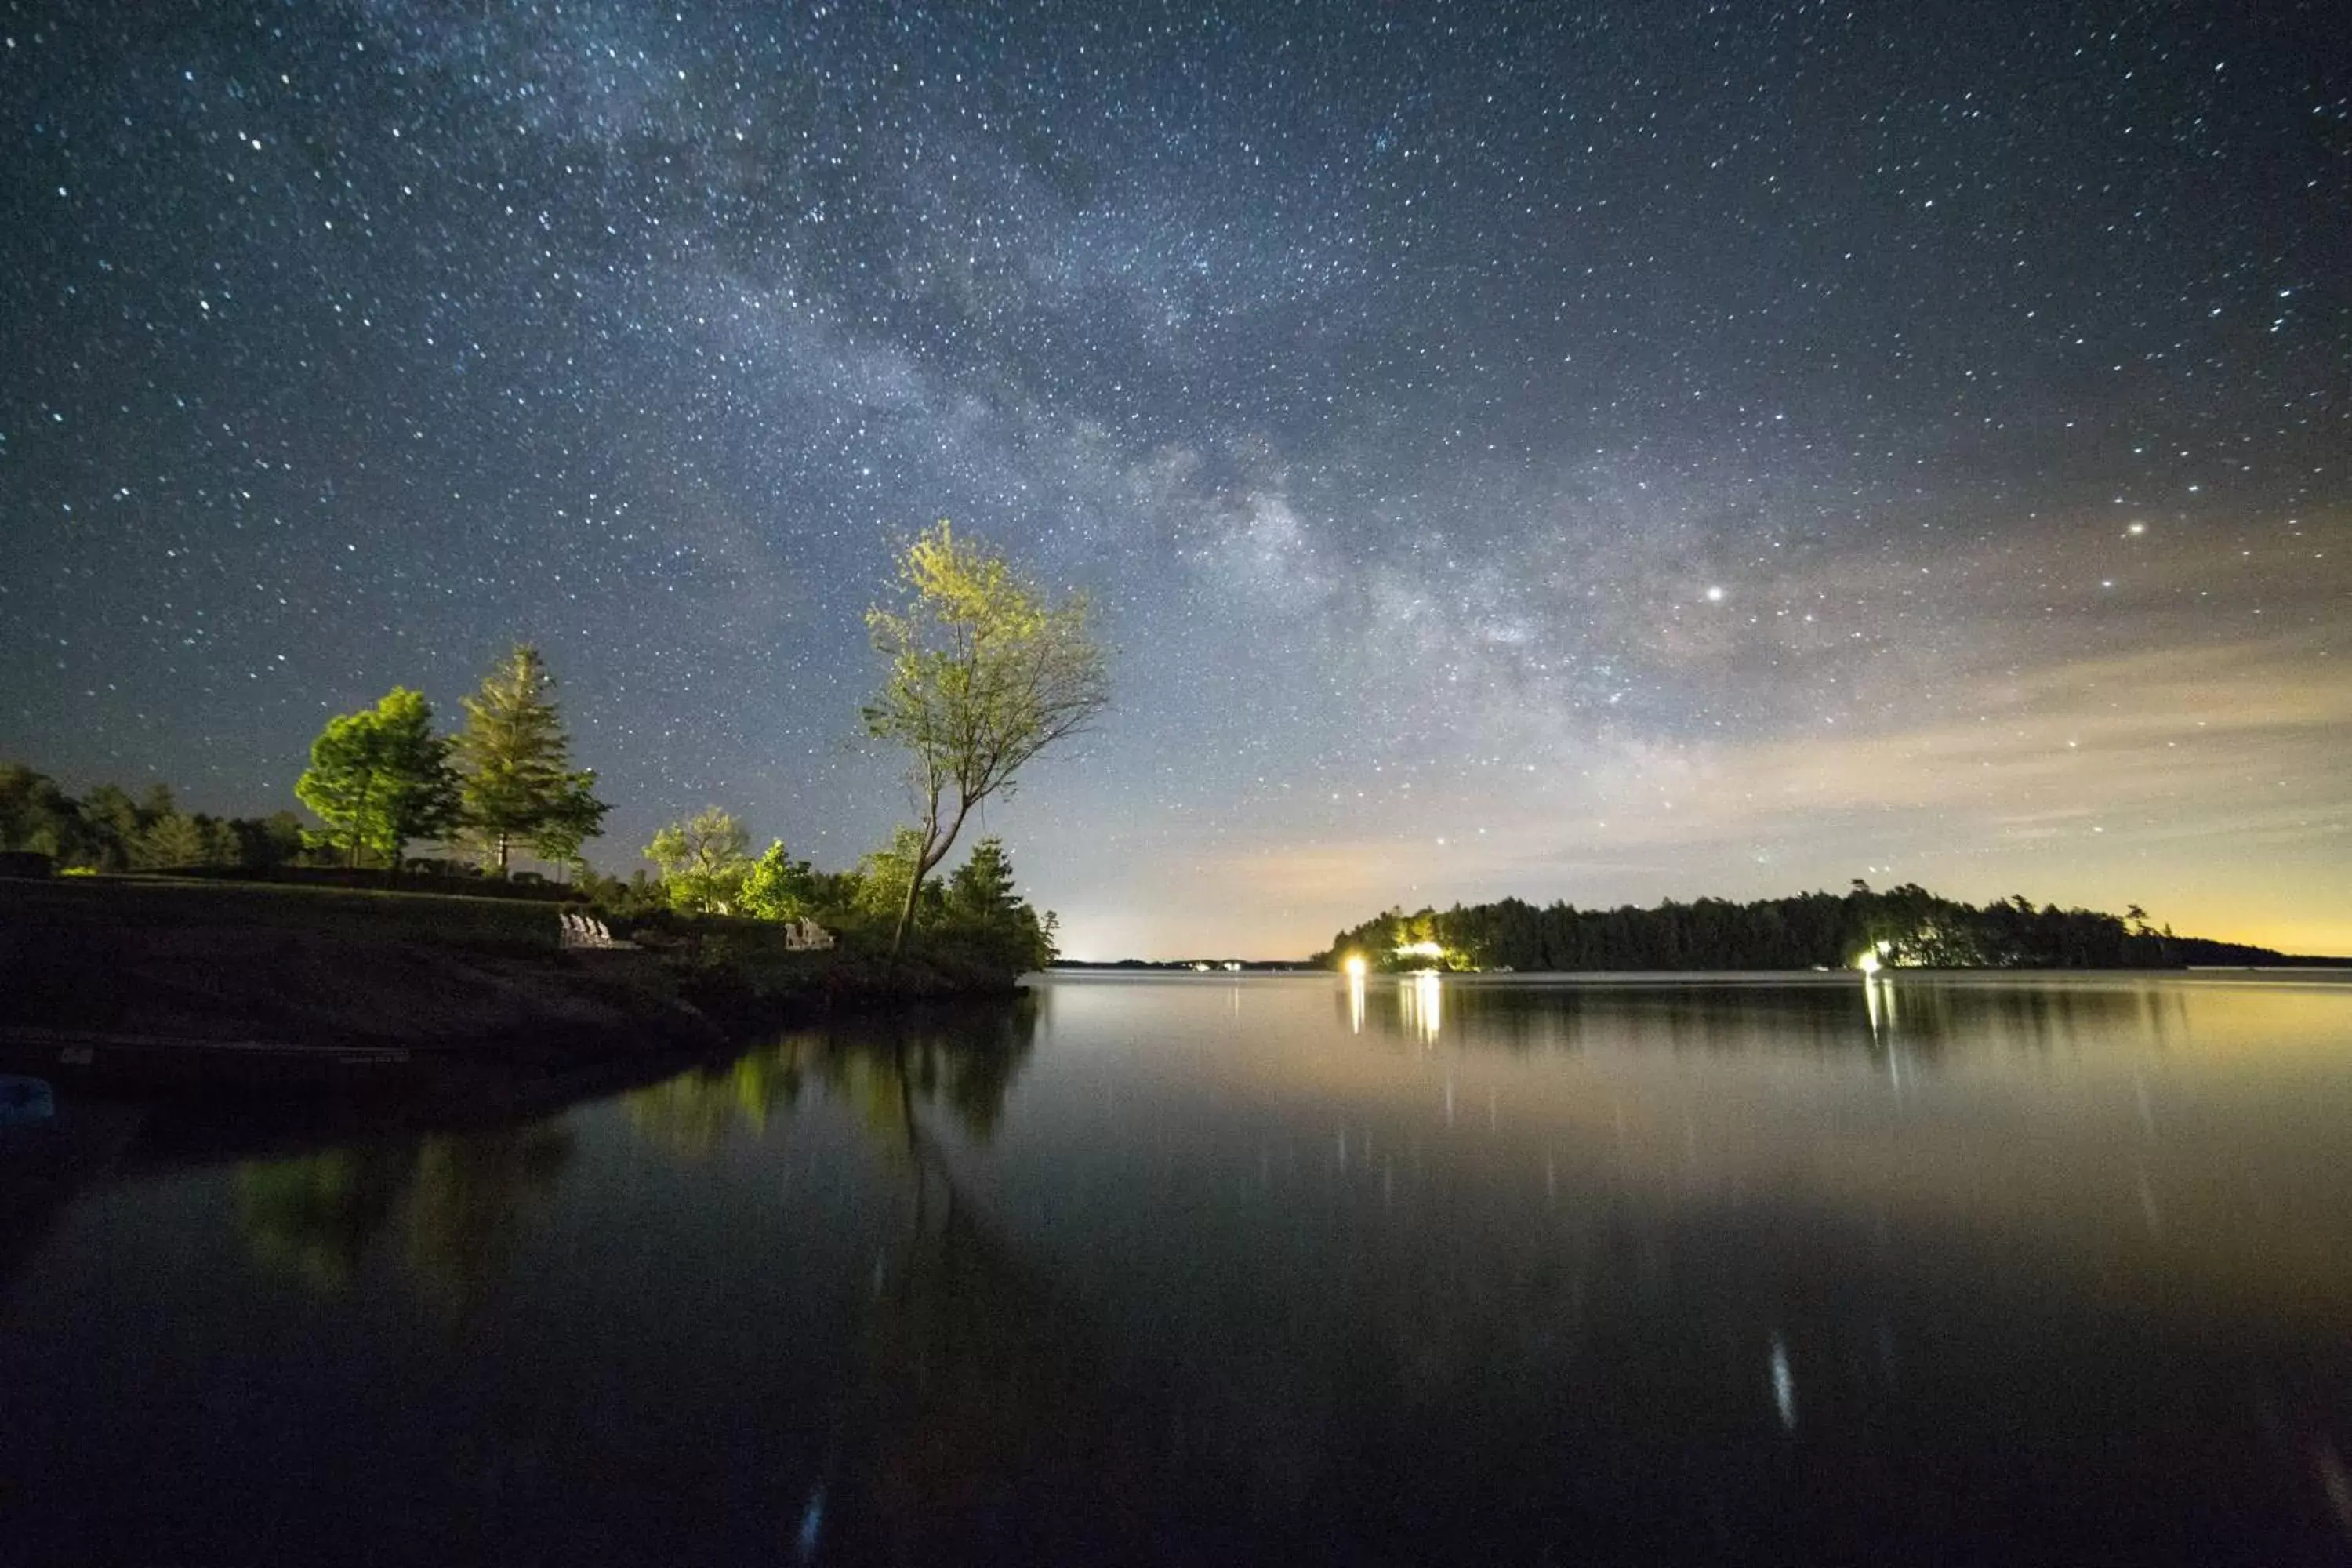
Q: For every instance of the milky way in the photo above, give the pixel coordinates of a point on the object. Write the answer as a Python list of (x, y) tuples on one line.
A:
[(1597, 454)]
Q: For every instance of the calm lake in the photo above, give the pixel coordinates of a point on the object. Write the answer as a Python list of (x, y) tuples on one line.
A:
[(1970, 1270)]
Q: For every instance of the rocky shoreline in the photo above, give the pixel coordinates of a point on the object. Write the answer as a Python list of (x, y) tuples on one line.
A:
[(200, 997)]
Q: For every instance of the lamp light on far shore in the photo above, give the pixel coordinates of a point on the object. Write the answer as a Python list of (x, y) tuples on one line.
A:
[(1354, 965)]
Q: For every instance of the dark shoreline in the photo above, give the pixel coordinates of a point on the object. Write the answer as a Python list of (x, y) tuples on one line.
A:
[(140, 987)]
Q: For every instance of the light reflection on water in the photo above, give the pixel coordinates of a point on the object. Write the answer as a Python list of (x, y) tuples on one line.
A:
[(1926, 1268)]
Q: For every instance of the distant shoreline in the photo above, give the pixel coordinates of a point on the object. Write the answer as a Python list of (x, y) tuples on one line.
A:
[(1905, 926)]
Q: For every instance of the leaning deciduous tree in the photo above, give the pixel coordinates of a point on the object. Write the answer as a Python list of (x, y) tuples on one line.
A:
[(520, 787), (380, 777), (984, 672)]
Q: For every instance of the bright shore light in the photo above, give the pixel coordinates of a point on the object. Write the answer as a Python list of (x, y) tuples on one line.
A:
[(1354, 965), (1868, 963)]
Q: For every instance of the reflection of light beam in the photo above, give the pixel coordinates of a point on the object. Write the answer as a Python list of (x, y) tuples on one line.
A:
[(1878, 1000), (1422, 999), (1355, 996)]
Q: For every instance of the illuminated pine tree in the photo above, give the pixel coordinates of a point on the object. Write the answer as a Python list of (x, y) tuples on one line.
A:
[(515, 763)]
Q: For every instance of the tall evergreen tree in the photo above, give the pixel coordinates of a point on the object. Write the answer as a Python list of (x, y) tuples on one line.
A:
[(981, 888), (982, 901), (578, 815), (516, 763), (173, 840)]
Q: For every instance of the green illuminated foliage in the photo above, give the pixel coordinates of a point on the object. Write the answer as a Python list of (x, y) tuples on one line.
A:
[(703, 862), (520, 787), (982, 902), (983, 672), (380, 777), (779, 887)]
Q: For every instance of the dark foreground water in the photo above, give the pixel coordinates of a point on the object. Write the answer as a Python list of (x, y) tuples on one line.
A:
[(1211, 1270)]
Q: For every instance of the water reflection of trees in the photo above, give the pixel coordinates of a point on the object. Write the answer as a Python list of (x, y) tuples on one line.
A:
[(974, 1381), (466, 1211), (1920, 1012), (315, 1216), (695, 1112), (460, 1199), (972, 1405), (964, 1063)]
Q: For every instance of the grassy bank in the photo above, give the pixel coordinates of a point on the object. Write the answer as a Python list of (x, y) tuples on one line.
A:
[(133, 903)]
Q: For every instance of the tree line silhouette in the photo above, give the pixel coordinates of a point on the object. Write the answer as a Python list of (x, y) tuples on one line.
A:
[(1902, 926)]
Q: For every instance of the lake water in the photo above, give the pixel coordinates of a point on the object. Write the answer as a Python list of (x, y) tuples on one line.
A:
[(1214, 1269)]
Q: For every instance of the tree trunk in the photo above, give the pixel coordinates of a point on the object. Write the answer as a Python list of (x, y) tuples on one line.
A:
[(359, 820), (907, 910), (932, 855)]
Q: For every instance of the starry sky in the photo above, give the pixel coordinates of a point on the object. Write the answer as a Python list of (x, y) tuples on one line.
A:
[(1598, 453)]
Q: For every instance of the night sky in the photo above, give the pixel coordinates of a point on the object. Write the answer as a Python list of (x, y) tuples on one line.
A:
[(1599, 453)]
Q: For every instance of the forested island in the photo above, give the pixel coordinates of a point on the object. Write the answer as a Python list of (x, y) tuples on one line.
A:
[(1901, 927)]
